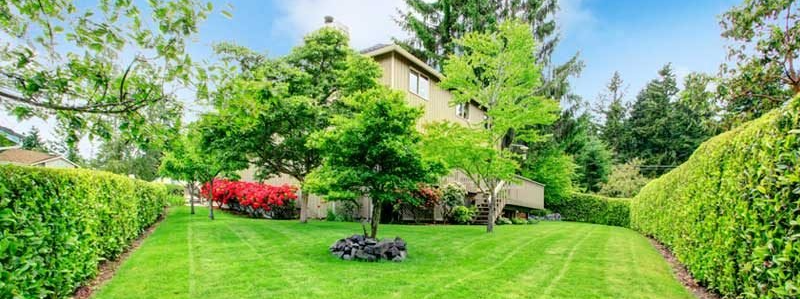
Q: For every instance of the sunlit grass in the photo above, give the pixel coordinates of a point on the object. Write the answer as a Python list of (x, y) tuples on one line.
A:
[(189, 256)]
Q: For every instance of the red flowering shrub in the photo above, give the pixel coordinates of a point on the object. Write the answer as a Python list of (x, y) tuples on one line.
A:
[(254, 199)]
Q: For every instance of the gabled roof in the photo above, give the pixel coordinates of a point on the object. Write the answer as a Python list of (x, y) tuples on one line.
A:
[(388, 48), (28, 157)]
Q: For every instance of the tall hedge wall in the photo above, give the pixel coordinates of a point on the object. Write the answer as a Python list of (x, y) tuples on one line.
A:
[(731, 212), (593, 209), (57, 225)]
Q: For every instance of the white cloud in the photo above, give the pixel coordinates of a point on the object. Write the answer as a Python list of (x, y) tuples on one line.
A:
[(370, 22), (574, 18)]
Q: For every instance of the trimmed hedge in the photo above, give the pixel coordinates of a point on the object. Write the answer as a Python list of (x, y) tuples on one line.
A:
[(731, 212), (56, 225), (594, 208)]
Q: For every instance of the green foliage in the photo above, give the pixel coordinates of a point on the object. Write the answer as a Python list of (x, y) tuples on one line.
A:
[(372, 153), (32, 141), (175, 190), (541, 213), (56, 225), (532, 221), (175, 200), (666, 124), (516, 220), (764, 45), (624, 181), (594, 163), (498, 71), (453, 195), (730, 212), (71, 61), (593, 208), (274, 106), (435, 27), (613, 130), (553, 169), (6, 142), (463, 214), (503, 221)]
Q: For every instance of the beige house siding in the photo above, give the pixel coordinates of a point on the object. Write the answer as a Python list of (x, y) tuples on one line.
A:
[(437, 107)]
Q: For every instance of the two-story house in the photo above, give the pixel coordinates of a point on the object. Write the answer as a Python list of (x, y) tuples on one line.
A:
[(402, 71)]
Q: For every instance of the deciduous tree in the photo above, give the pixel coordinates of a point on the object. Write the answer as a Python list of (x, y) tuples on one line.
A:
[(498, 71), (275, 105), (762, 74), (74, 61), (373, 152)]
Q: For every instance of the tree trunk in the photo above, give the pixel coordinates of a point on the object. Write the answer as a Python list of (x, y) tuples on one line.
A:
[(303, 206), (376, 219), (490, 219), (191, 196), (210, 201)]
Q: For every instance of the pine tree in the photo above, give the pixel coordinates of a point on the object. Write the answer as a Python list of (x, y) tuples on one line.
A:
[(613, 130), (649, 124)]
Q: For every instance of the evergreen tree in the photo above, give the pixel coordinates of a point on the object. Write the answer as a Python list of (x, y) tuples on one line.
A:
[(649, 124), (613, 130), (32, 141)]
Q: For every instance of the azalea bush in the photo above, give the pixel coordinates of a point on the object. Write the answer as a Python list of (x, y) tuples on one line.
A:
[(420, 203), (253, 199)]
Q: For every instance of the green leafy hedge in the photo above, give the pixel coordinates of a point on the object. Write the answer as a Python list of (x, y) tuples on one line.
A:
[(593, 209), (731, 212), (56, 225)]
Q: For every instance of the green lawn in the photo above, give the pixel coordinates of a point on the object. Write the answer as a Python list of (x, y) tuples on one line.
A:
[(232, 257)]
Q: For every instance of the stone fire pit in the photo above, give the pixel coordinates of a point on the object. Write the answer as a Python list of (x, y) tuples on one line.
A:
[(359, 247)]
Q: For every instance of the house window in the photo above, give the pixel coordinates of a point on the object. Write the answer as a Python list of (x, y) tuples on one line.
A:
[(462, 110), (418, 84)]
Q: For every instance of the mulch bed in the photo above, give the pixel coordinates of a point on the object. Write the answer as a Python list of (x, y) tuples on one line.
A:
[(107, 269), (682, 274)]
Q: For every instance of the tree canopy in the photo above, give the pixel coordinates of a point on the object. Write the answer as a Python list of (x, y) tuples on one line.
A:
[(498, 72), (374, 153), (80, 63), (276, 105)]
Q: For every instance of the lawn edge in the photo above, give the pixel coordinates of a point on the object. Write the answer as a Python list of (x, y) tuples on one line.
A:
[(107, 269), (682, 274)]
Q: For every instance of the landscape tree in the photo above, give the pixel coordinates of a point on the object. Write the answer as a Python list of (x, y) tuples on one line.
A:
[(33, 141), (625, 180), (276, 105), (373, 152), (762, 74), (81, 63), (138, 151), (594, 164), (613, 111), (649, 126), (213, 155), (555, 170), (694, 116), (498, 71), (182, 162)]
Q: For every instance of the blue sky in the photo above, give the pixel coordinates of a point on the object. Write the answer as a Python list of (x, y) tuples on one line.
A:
[(633, 37)]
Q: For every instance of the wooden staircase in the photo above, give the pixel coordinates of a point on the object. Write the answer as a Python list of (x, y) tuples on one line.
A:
[(482, 214)]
